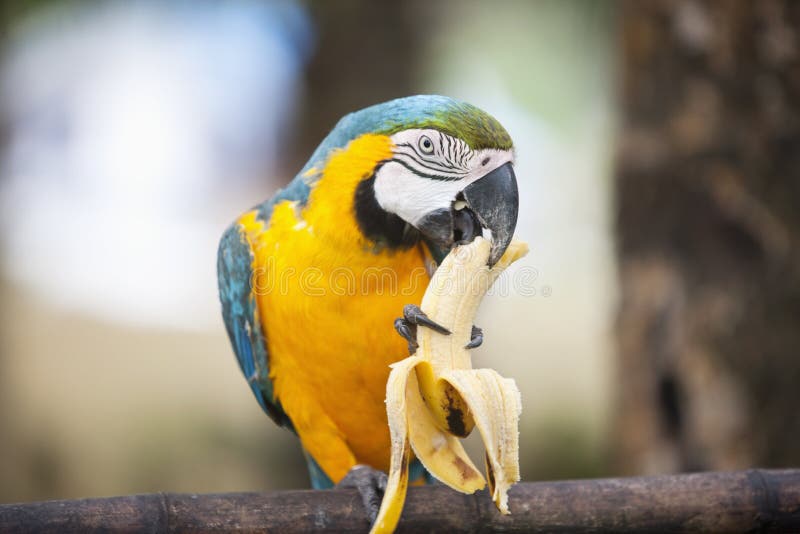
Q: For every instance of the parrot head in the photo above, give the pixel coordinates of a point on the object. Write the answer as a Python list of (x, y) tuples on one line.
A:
[(448, 178)]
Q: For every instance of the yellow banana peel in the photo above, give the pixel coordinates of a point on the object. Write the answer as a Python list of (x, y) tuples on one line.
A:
[(435, 397)]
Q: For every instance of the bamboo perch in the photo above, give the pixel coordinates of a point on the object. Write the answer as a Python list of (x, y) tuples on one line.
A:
[(754, 500)]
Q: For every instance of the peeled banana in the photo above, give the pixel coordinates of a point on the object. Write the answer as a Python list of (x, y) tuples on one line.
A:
[(435, 397)]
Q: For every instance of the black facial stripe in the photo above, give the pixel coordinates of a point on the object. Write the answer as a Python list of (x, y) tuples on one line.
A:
[(421, 168), (383, 228), (427, 163), (443, 143), (466, 154), (446, 152), (422, 158), (435, 165), (427, 175), (450, 148)]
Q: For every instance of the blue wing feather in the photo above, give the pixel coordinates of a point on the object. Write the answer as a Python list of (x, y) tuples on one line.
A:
[(240, 312), (319, 480)]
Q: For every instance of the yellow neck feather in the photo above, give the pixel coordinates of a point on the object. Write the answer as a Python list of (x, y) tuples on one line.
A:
[(330, 209)]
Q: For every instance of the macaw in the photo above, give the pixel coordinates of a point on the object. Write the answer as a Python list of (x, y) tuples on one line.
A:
[(312, 280)]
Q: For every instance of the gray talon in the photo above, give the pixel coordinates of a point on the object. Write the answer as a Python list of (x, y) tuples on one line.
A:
[(408, 332), (476, 339), (414, 315), (370, 484)]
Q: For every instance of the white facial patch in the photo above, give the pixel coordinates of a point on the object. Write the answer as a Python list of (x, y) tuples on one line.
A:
[(428, 169)]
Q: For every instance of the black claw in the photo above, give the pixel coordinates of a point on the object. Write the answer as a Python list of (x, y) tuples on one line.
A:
[(370, 484), (383, 481), (406, 326), (476, 338), (414, 315), (408, 332)]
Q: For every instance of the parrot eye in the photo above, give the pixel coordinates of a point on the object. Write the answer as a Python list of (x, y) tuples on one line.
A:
[(426, 145)]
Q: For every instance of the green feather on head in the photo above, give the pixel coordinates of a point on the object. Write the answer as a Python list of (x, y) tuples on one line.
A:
[(458, 119)]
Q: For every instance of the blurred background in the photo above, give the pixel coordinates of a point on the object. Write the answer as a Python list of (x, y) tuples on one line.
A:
[(658, 158)]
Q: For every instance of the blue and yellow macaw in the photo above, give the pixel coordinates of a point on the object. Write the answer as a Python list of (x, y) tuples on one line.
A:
[(312, 280)]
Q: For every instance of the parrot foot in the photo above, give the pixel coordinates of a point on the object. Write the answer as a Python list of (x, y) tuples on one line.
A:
[(406, 326), (413, 316), (370, 484)]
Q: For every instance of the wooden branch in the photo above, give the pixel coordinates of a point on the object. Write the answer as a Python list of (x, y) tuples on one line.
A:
[(755, 500)]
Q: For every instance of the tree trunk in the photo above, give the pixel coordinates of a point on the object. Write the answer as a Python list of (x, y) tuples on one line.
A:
[(708, 189)]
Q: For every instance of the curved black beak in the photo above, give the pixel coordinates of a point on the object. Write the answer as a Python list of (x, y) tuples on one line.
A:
[(494, 199), (487, 207)]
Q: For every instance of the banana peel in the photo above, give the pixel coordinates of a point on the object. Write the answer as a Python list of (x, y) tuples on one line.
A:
[(435, 397)]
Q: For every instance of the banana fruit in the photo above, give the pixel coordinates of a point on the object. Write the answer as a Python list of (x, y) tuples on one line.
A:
[(435, 397)]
